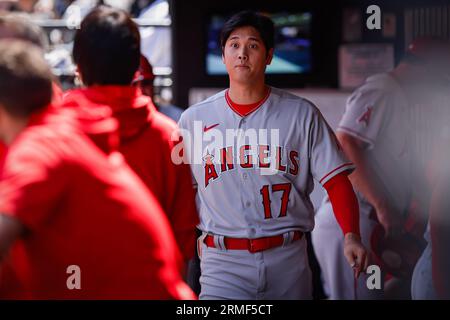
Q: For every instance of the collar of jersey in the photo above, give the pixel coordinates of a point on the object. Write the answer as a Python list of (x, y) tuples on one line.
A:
[(244, 110)]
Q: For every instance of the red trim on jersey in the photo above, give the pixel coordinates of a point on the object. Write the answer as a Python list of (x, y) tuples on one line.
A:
[(356, 134), (244, 110), (331, 172), (344, 203)]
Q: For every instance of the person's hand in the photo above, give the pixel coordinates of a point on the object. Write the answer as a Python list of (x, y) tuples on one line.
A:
[(355, 253), (390, 219)]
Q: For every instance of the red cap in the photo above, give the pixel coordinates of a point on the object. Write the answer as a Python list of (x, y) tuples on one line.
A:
[(145, 71)]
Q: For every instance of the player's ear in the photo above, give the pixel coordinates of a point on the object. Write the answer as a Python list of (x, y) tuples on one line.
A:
[(78, 77), (269, 57), (3, 123)]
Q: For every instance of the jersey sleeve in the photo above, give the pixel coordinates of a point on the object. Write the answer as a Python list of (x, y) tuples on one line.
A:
[(344, 203), (326, 156), (364, 113), (31, 185)]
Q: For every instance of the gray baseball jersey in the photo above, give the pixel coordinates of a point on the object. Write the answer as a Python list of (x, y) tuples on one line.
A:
[(378, 114), (254, 173)]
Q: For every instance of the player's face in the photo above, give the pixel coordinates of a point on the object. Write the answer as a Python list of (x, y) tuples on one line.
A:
[(245, 56)]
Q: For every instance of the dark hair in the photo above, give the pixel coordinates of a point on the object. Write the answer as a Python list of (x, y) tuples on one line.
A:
[(264, 25), (25, 78), (20, 27), (107, 47)]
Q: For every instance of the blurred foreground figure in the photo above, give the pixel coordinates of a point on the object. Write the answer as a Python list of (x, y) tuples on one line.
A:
[(388, 130), (107, 54), (431, 279), (16, 26), (144, 78), (86, 226)]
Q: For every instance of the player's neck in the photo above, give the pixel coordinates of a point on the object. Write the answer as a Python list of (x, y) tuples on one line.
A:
[(247, 94), (403, 75)]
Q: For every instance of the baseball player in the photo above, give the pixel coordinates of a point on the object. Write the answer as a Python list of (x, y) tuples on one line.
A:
[(254, 152), (70, 207), (382, 134), (107, 67)]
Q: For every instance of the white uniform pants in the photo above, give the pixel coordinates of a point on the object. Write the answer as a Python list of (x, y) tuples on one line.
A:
[(277, 273)]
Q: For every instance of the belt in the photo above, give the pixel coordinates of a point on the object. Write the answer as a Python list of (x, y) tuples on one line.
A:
[(252, 245)]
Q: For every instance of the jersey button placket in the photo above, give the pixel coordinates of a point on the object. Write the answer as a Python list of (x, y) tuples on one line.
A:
[(241, 123), (244, 175)]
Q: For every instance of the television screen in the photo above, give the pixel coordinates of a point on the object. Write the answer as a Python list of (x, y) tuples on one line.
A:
[(292, 44)]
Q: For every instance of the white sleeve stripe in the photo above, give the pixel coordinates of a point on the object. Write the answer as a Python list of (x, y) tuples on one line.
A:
[(355, 134), (341, 168)]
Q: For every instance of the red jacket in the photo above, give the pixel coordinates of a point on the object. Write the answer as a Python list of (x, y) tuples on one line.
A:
[(83, 208), (145, 141)]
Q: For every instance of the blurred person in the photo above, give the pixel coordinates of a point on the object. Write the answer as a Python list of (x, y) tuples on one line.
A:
[(17, 26), (107, 54), (382, 132), (144, 78), (430, 278), (66, 201)]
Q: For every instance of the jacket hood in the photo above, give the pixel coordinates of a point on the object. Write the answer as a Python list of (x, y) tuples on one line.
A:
[(124, 104), (97, 122)]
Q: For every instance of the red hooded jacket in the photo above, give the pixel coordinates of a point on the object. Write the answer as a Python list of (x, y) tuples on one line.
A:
[(146, 143), (85, 209)]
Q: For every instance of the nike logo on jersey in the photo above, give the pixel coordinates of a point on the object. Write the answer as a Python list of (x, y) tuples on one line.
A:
[(365, 117), (205, 128)]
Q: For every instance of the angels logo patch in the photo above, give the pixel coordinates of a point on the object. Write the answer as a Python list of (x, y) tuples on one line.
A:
[(365, 117)]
